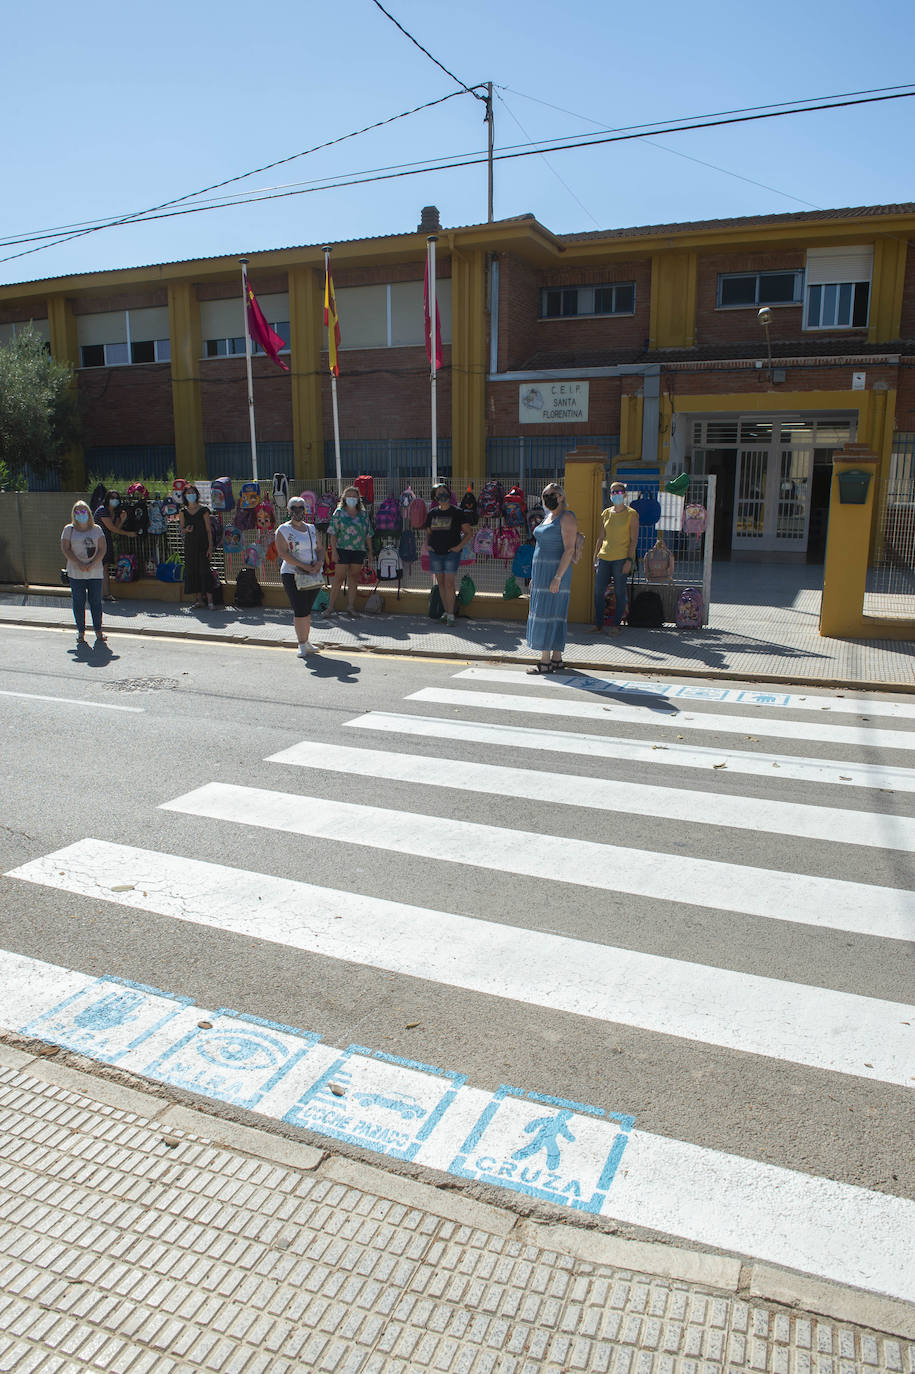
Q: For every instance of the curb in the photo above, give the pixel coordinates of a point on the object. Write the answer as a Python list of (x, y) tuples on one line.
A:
[(730, 1275), (627, 669)]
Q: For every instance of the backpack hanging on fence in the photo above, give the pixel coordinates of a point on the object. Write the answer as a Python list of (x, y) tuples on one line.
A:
[(280, 490), (231, 539), (468, 506), (99, 492), (365, 485), (390, 565), (514, 508), (523, 562), (157, 521), (482, 541), (534, 518), (491, 498), (248, 500), (170, 507), (646, 611), (127, 568), (325, 506), (221, 497), (506, 543), (248, 591), (137, 510), (254, 556), (388, 516), (690, 609), (695, 517), (407, 547), (216, 527), (416, 513)]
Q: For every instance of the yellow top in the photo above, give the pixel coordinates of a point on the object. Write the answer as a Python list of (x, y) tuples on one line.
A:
[(621, 531)]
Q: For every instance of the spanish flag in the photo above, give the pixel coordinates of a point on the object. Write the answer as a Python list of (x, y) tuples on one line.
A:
[(331, 322)]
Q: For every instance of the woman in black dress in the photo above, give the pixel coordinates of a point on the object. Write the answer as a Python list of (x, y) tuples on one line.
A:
[(198, 547)]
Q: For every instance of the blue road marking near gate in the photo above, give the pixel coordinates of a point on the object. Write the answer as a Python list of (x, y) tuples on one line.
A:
[(381, 1102), (107, 1019), (236, 1059), (555, 1154), (670, 690)]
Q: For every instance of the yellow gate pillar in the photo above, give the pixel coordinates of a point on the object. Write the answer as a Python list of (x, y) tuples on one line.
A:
[(186, 348), (847, 546), (584, 490), (305, 315), (65, 349), (468, 368)]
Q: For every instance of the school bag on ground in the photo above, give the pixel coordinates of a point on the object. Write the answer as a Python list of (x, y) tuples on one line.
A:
[(221, 497), (646, 611), (690, 609), (280, 490), (248, 591), (523, 562), (491, 498), (388, 516), (436, 606), (466, 592)]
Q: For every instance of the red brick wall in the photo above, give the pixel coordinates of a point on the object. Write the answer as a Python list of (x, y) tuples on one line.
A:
[(126, 405), (383, 393), (519, 306), (123, 300), (907, 327), (726, 380), (224, 400), (905, 397)]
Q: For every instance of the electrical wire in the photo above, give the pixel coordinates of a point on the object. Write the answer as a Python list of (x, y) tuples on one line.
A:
[(469, 90), (473, 160), (549, 164)]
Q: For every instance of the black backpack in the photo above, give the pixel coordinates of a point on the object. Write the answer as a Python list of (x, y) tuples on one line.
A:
[(137, 521), (248, 591), (468, 506), (646, 611), (99, 492)]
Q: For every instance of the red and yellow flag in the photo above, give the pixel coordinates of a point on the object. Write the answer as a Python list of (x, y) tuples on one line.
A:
[(331, 321)]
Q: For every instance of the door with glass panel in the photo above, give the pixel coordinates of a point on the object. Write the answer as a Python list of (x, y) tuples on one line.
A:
[(772, 505), (751, 499)]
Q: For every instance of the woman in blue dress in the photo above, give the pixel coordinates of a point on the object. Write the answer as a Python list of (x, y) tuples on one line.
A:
[(551, 580)]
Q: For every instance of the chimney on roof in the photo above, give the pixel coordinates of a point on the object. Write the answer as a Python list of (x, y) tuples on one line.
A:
[(429, 222)]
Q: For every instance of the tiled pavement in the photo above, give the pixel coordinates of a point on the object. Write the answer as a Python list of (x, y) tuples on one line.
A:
[(763, 626), (139, 1237)]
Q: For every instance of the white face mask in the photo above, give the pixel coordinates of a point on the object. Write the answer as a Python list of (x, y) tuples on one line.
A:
[(352, 502)]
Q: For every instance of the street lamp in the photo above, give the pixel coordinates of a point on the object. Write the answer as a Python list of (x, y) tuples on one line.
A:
[(764, 317)]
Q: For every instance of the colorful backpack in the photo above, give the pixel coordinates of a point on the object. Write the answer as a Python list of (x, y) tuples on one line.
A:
[(390, 566), (468, 506), (126, 569), (231, 539), (311, 503), (221, 497), (483, 540), (169, 506), (264, 518), (280, 490), (415, 509), (388, 516), (216, 527), (407, 547), (249, 498), (325, 506), (138, 491), (534, 518), (491, 498), (523, 562), (365, 485), (514, 508), (690, 609), (694, 518), (254, 556), (505, 544), (157, 521)]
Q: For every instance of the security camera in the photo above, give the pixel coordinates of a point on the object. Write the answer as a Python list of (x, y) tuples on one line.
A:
[(764, 316)]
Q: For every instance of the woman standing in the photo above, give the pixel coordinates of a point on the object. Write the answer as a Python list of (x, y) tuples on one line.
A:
[(299, 546), (198, 547), (350, 534), (614, 557), (449, 531), (112, 517), (83, 544), (551, 580)]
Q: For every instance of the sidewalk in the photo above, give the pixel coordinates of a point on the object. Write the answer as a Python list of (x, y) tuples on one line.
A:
[(763, 627), (140, 1236)]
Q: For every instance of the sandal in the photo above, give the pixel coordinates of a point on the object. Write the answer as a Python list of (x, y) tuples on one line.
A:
[(555, 665), (538, 668)]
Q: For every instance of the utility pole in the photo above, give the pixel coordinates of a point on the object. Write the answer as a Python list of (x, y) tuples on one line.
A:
[(490, 122)]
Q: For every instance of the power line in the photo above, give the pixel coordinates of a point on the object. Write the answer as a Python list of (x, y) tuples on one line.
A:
[(472, 160), (469, 90), (549, 164)]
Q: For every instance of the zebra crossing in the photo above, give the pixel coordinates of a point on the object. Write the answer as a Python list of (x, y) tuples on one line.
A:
[(591, 1158)]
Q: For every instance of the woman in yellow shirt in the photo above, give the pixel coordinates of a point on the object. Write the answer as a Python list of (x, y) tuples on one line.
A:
[(614, 557)]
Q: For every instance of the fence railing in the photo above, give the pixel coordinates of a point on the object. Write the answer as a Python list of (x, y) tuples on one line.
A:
[(890, 588)]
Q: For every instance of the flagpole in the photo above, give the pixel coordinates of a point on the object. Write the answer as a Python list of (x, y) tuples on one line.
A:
[(244, 306), (433, 352), (333, 397)]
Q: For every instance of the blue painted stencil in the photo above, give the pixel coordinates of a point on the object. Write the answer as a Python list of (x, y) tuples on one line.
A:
[(382, 1103), (546, 1147), (239, 1060), (107, 1019)]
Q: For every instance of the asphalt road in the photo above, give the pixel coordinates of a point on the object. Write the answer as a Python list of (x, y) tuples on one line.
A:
[(74, 768)]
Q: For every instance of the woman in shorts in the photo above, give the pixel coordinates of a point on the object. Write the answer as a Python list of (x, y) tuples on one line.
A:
[(350, 534), (448, 532), (299, 546)]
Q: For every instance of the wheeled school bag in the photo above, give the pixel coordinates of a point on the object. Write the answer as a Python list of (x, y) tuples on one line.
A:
[(690, 609)]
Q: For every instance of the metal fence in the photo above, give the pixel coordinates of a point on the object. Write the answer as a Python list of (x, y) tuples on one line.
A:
[(692, 552), (890, 587)]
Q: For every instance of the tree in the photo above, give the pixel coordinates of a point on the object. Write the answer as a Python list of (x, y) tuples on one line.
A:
[(39, 420)]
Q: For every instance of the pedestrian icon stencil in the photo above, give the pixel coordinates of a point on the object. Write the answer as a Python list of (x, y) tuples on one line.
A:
[(546, 1147)]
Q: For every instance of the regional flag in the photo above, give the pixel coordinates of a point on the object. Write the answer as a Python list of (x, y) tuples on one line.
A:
[(331, 321), (438, 324), (259, 330)]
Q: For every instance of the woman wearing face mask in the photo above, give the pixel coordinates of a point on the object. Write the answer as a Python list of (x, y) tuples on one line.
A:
[(112, 517), (350, 535), (299, 546), (615, 556), (198, 547), (448, 533), (551, 580), (83, 544)]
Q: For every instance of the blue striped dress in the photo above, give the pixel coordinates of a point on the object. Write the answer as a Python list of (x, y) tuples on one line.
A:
[(548, 614)]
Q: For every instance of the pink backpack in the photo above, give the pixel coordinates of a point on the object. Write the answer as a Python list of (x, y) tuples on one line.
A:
[(694, 519), (690, 609), (482, 541), (506, 543)]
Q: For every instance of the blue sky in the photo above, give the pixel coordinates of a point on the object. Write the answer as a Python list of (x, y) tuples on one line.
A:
[(117, 107)]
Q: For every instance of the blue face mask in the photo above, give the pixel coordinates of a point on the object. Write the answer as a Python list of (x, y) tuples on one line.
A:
[(81, 517), (114, 503), (352, 501), (617, 498)]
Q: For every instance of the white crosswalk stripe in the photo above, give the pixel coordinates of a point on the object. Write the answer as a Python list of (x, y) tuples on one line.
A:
[(711, 1196)]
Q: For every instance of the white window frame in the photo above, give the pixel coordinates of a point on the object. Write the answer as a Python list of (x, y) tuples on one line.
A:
[(796, 272), (127, 343), (256, 350), (586, 296), (836, 288)]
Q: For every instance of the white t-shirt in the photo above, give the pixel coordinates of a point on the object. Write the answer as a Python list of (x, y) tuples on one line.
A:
[(86, 544), (302, 543)]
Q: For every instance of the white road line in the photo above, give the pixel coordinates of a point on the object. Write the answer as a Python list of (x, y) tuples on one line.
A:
[(611, 713), (815, 1026), (503, 739), (75, 701), (834, 1230), (829, 903), (601, 794), (759, 694)]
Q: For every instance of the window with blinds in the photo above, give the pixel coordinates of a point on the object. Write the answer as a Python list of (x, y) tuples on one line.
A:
[(838, 282)]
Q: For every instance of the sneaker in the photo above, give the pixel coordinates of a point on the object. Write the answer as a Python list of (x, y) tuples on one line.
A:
[(448, 619), (109, 597), (306, 648), (350, 615)]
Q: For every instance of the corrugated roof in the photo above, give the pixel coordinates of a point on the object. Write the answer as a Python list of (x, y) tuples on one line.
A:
[(794, 217)]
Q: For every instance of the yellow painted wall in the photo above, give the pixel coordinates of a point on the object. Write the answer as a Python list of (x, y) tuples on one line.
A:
[(672, 315), (469, 358), (184, 336), (886, 290), (65, 349), (306, 287)]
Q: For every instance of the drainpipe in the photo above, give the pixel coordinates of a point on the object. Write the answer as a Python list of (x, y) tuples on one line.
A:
[(493, 314), (651, 415)]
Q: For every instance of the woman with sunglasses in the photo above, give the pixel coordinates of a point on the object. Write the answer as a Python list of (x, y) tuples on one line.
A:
[(299, 546), (551, 580)]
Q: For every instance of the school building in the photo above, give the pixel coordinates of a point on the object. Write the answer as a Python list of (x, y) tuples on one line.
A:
[(751, 348)]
